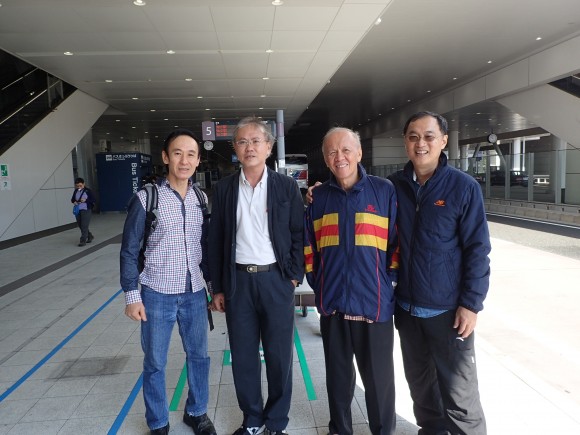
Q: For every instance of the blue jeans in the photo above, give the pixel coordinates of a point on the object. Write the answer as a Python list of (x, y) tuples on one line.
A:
[(162, 310)]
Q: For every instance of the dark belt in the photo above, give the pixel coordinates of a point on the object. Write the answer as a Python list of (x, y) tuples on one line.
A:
[(254, 268)]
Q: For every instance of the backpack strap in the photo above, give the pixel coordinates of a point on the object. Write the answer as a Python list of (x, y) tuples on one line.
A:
[(151, 215), (202, 203), (204, 230)]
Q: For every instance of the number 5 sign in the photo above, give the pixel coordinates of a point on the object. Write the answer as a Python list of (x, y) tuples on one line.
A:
[(208, 130)]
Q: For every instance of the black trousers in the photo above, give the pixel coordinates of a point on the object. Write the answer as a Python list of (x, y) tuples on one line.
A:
[(442, 375), (262, 307), (372, 345), (83, 221)]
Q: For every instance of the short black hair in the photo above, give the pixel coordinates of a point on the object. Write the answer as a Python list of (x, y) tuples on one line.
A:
[(79, 180), (440, 120), (180, 132)]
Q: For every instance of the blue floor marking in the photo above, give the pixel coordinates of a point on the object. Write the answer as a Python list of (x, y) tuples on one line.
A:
[(126, 407), (55, 350)]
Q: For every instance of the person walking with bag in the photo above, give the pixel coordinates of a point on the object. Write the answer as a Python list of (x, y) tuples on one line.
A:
[(84, 201)]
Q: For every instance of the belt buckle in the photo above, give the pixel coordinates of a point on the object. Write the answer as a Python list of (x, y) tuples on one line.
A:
[(252, 268)]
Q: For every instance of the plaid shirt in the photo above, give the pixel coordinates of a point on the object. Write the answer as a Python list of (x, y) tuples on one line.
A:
[(173, 249)]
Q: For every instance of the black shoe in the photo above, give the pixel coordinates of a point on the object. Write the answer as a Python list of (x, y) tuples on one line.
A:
[(82, 244), (161, 431), (250, 431), (90, 238), (201, 424)]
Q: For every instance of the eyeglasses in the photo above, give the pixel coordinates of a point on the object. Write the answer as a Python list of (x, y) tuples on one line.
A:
[(243, 143), (415, 138)]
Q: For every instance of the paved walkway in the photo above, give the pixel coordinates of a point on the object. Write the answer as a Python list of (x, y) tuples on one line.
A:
[(70, 361)]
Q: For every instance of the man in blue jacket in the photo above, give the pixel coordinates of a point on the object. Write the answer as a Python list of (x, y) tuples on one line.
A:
[(443, 280), (351, 258), (256, 261)]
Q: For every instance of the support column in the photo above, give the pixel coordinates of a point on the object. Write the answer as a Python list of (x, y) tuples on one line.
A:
[(464, 161), (280, 141), (453, 147), (517, 154), (558, 171)]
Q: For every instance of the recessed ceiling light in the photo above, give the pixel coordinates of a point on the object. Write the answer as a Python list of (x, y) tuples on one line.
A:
[(378, 21), (188, 79), (68, 53), (454, 78), (133, 127), (152, 110), (199, 97), (208, 109), (265, 78), (269, 50), (277, 2), (139, 3), (539, 38), (429, 91), (108, 81), (117, 120), (263, 96), (176, 126), (170, 52), (135, 98), (166, 119), (489, 61)]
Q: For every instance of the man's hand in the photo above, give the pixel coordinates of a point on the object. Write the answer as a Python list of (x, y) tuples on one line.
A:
[(218, 302), (309, 193), (295, 282), (136, 311), (465, 321)]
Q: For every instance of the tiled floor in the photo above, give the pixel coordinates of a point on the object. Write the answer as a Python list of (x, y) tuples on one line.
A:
[(70, 361)]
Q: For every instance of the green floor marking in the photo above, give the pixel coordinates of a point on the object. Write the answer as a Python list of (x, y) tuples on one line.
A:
[(227, 361), (304, 366), (178, 389)]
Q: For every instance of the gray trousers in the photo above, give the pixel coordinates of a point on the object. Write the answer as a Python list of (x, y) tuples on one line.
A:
[(83, 221)]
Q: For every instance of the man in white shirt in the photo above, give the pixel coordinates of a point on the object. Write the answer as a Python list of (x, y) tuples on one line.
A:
[(256, 261)]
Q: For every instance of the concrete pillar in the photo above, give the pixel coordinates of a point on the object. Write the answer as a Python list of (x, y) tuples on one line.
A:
[(558, 170), (280, 141), (517, 154), (453, 147), (463, 156)]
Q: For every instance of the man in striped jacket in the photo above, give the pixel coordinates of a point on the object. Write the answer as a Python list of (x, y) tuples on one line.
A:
[(351, 263)]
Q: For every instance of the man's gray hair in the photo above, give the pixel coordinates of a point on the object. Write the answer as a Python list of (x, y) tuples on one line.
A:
[(333, 130), (257, 122)]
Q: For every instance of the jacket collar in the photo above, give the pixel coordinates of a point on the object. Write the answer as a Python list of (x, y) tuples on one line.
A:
[(362, 174)]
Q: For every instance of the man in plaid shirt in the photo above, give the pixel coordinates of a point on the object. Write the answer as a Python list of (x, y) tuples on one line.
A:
[(172, 285)]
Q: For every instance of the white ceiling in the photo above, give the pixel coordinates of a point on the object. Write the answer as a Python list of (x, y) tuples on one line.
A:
[(420, 46)]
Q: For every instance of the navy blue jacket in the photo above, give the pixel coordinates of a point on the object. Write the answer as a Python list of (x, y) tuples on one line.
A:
[(443, 240), (285, 225), (350, 247)]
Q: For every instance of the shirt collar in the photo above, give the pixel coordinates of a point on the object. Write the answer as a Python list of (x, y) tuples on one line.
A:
[(244, 181)]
